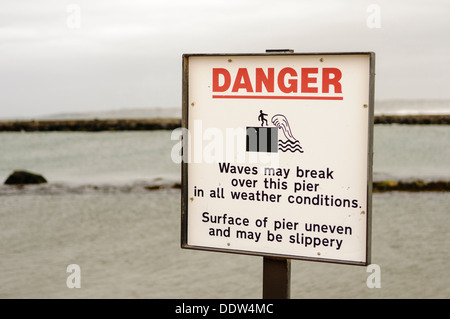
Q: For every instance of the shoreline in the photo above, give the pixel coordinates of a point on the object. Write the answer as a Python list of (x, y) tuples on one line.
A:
[(97, 125), (415, 186)]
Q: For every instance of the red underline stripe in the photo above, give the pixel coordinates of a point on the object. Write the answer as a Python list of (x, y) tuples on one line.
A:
[(278, 97)]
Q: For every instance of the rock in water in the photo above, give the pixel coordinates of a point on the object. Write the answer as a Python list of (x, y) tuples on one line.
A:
[(24, 177)]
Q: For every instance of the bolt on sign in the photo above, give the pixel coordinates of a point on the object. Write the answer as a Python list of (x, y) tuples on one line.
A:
[(277, 155)]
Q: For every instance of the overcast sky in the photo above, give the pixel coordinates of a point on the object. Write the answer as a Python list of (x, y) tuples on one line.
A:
[(60, 56)]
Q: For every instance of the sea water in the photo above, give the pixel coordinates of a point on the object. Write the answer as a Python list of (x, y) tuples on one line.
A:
[(400, 152), (97, 213)]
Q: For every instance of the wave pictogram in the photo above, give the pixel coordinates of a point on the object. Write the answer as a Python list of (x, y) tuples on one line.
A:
[(281, 121), (288, 145), (291, 144)]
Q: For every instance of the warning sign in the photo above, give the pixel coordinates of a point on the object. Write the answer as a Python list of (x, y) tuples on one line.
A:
[(277, 155)]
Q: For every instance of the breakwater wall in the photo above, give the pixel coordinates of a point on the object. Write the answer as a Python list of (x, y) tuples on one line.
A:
[(97, 125), (90, 125)]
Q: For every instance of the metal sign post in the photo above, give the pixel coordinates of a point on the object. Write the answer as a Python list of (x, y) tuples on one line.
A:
[(276, 278)]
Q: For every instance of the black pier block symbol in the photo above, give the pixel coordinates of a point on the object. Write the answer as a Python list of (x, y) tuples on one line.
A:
[(262, 139)]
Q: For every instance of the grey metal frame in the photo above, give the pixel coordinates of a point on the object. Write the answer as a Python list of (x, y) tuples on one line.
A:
[(184, 167)]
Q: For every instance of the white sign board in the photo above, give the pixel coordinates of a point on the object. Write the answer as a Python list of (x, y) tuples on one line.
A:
[(277, 155)]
